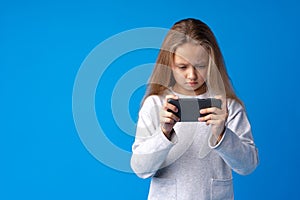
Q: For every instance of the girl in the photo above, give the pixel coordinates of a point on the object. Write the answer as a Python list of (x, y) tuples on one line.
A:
[(191, 160)]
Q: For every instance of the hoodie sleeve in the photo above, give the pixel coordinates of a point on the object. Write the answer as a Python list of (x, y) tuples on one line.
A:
[(237, 147), (151, 146)]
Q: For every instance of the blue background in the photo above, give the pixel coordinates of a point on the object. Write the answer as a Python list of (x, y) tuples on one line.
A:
[(43, 43)]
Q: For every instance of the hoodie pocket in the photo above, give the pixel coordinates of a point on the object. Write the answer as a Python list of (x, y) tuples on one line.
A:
[(221, 189), (162, 189)]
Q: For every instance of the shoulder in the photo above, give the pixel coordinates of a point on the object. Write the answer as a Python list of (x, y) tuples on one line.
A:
[(153, 100), (151, 103), (232, 104), (234, 107)]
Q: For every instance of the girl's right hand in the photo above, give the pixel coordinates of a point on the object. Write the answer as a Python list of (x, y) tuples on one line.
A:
[(167, 118)]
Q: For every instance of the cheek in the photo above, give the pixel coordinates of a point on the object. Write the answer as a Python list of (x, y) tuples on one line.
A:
[(178, 74), (202, 74)]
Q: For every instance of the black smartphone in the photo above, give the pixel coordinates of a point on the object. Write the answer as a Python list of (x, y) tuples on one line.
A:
[(188, 108)]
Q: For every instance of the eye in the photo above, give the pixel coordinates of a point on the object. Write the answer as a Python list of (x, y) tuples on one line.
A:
[(200, 67), (182, 67)]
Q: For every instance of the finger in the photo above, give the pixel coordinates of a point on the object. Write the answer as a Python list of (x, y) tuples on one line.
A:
[(171, 96), (223, 107), (210, 122), (207, 117), (166, 114), (171, 107), (167, 120), (210, 110), (215, 122), (172, 116), (224, 102)]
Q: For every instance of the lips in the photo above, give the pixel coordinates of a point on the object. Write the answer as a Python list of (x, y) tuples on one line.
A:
[(192, 83)]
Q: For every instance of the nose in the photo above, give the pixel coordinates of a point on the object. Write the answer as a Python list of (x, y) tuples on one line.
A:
[(191, 73)]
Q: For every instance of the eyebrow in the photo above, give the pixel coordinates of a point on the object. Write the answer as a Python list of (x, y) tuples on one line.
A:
[(200, 65), (181, 63), (187, 63)]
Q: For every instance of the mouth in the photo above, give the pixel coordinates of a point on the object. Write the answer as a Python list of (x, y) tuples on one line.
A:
[(192, 83)]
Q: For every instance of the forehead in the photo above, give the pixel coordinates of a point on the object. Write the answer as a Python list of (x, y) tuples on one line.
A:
[(192, 53)]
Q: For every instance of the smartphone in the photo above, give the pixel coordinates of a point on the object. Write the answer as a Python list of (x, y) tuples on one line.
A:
[(189, 108)]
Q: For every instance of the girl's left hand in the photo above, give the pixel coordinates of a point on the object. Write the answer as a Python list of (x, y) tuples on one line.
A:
[(216, 118)]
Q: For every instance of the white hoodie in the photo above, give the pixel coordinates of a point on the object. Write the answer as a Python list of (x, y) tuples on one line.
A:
[(190, 165)]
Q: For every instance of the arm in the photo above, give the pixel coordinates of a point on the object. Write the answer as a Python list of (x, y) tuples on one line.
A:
[(151, 146), (236, 146)]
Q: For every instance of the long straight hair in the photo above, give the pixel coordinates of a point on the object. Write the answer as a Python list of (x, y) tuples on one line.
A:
[(197, 32)]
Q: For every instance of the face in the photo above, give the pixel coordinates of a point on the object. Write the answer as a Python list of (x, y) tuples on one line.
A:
[(190, 69)]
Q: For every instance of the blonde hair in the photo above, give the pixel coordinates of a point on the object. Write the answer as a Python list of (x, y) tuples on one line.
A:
[(197, 32)]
